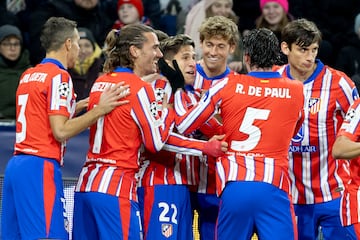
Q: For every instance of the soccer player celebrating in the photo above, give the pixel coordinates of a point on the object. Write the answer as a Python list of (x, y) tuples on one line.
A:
[(33, 202), (317, 178), (252, 179)]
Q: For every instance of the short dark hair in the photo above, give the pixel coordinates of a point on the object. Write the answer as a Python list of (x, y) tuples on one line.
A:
[(301, 32), (55, 32), (262, 46), (171, 45)]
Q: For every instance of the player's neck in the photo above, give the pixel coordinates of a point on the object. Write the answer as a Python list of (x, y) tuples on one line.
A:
[(212, 72), (301, 75), (58, 56)]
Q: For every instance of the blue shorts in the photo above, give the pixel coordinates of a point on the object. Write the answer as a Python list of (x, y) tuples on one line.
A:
[(167, 212), (249, 207), (207, 206), (33, 204), (325, 215), (103, 216)]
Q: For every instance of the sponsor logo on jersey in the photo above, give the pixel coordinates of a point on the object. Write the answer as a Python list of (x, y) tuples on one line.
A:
[(305, 148), (314, 105), (166, 229), (299, 136)]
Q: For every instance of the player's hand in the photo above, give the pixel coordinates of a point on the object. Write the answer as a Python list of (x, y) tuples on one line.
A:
[(174, 76), (109, 99), (215, 147), (82, 105)]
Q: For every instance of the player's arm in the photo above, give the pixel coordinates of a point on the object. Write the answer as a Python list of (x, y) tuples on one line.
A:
[(345, 148), (206, 108), (183, 104), (155, 125), (188, 146), (64, 128)]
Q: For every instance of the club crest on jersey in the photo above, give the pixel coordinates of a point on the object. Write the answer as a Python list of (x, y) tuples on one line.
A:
[(314, 105), (349, 115), (64, 89), (166, 229)]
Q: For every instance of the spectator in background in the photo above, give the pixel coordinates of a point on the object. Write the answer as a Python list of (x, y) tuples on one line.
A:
[(174, 18), (14, 60), (348, 59), (248, 11), (88, 65), (129, 12), (91, 14), (274, 16), (152, 9), (6, 16)]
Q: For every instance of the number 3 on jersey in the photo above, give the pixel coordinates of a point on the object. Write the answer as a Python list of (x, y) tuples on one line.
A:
[(22, 101), (248, 128)]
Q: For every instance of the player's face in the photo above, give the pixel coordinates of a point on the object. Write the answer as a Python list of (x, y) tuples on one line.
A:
[(74, 50), (273, 13), (128, 14), (147, 57), (86, 49), (301, 59), (221, 8), (185, 58), (216, 51)]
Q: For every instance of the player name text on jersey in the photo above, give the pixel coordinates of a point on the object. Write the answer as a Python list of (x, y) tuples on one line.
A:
[(34, 77), (263, 91)]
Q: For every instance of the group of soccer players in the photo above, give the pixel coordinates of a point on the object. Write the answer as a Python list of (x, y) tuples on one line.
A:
[(222, 149)]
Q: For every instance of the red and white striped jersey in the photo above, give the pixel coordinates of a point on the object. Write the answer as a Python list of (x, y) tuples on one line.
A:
[(44, 90), (205, 169), (349, 211), (203, 82), (175, 163), (115, 140), (317, 177), (255, 125)]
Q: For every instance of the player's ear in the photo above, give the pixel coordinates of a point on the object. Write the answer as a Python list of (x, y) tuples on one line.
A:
[(68, 44), (285, 48), (134, 51)]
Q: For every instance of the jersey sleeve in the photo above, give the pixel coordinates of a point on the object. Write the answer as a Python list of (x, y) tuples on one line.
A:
[(351, 124), (61, 98), (184, 102), (154, 127), (180, 144), (205, 109)]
